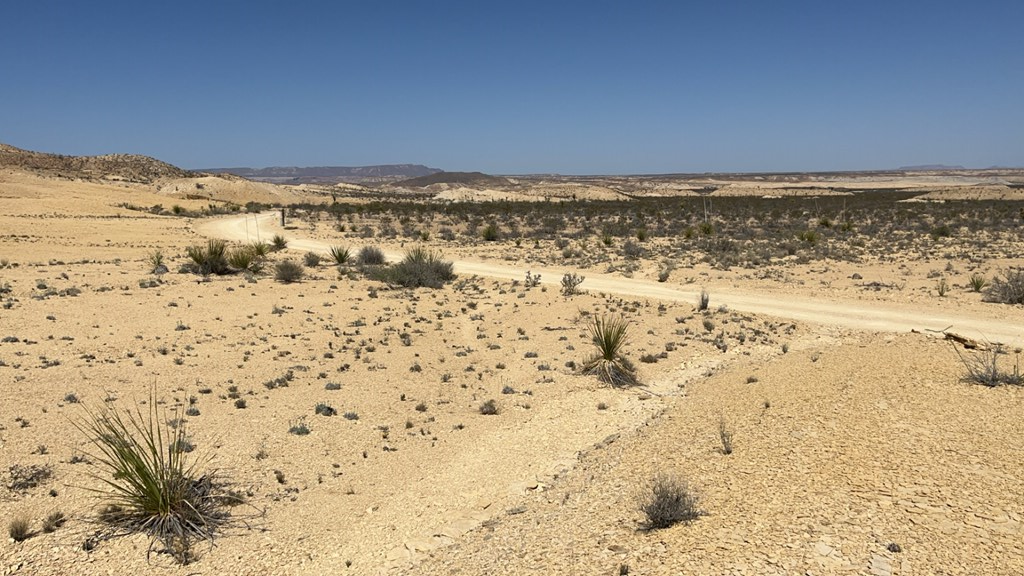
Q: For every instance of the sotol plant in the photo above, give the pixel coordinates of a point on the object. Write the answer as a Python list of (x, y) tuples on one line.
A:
[(151, 486), (609, 336)]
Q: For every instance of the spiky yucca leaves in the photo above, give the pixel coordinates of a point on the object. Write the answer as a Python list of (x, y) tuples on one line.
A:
[(152, 486), (421, 268), (246, 259), (340, 254), (210, 259), (608, 364)]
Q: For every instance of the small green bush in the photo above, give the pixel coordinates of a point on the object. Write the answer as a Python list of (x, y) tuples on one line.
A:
[(490, 233), (371, 256), (278, 242), (1008, 289), (288, 271), (311, 259)]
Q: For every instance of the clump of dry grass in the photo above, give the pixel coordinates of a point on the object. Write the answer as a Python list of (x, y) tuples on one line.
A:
[(667, 502), (609, 335)]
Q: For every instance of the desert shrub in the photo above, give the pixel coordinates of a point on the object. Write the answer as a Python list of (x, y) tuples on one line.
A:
[(420, 268), (489, 408), (1008, 289), (324, 409), (23, 478), (370, 256), (299, 428), (942, 287), (632, 250), (311, 259), (982, 367), (278, 242), (209, 259), (53, 521), (977, 282), (571, 284), (152, 488), (19, 529), (704, 301), (609, 335), (490, 233), (340, 254), (810, 237), (288, 271), (668, 501)]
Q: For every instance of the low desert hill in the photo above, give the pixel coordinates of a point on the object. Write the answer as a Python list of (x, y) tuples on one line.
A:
[(128, 167)]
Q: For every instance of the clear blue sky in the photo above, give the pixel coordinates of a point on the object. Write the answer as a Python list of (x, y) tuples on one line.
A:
[(519, 86)]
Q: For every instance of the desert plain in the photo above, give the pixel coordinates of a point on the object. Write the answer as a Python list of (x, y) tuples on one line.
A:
[(857, 444)]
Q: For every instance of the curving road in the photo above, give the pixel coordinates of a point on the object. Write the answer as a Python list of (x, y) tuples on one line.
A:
[(856, 315)]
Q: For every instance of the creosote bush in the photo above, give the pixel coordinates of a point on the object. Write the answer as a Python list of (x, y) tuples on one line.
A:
[(608, 364), (151, 487), (370, 256), (288, 271), (311, 259), (668, 501), (1008, 289)]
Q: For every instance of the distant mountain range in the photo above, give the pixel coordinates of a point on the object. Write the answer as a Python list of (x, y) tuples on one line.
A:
[(929, 168), (329, 174)]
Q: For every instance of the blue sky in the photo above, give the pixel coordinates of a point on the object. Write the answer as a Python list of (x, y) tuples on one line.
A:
[(596, 87)]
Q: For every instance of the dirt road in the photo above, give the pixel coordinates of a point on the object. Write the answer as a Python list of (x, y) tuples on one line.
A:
[(854, 315)]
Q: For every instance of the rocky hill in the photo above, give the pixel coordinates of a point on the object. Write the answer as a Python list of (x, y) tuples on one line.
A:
[(127, 167)]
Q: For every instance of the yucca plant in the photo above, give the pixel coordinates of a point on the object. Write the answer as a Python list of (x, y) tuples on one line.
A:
[(260, 249), (245, 258), (608, 364), (210, 259), (151, 486), (156, 261), (279, 242), (340, 254), (420, 268), (978, 282)]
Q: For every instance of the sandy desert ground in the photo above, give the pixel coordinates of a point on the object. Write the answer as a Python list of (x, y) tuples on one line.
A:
[(858, 448)]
